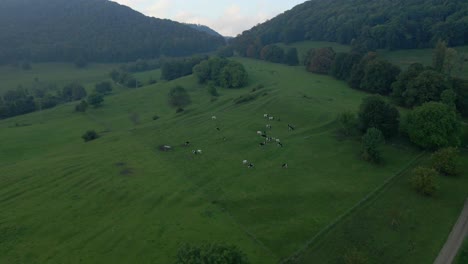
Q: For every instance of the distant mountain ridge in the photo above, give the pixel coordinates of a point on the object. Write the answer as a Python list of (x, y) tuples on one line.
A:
[(97, 30), (204, 28), (390, 24)]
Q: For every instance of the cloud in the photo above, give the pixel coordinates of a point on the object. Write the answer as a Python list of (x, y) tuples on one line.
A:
[(236, 16), (230, 23), (160, 9)]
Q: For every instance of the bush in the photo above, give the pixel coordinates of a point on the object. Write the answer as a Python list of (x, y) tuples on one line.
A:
[(82, 106), (370, 145), (210, 253), (212, 90), (103, 87), (90, 135), (423, 181), (444, 161), (348, 123), (178, 97), (433, 126), (95, 99)]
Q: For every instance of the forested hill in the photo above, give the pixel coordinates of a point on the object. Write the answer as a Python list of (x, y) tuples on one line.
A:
[(97, 30), (205, 29), (392, 24)]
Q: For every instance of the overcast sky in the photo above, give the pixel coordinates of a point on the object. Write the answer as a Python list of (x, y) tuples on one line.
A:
[(228, 17)]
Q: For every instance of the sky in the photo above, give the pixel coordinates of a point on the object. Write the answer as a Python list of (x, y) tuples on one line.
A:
[(228, 17)]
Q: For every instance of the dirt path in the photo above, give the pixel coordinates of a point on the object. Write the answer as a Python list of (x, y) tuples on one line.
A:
[(455, 239)]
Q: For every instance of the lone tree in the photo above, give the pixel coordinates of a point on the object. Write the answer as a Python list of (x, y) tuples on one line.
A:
[(210, 254), (423, 181), (370, 145), (445, 161), (375, 112), (233, 75), (179, 98), (90, 135), (95, 99), (433, 126)]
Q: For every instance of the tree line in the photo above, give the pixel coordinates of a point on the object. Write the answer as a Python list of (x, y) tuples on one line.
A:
[(434, 121), (413, 87), (41, 96), (371, 25)]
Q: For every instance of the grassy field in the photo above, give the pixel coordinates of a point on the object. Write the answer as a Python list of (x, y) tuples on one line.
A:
[(56, 73), (119, 199), (398, 226)]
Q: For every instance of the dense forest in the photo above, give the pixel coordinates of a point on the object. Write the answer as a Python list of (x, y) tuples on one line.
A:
[(375, 24), (92, 30)]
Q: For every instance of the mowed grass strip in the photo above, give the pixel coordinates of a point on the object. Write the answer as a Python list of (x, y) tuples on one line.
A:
[(120, 199)]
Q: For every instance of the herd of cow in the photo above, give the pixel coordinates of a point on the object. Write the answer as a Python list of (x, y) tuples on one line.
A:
[(266, 140)]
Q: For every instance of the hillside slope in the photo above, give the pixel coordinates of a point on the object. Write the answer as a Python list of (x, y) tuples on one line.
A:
[(204, 28), (98, 30), (374, 24), (120, 199)]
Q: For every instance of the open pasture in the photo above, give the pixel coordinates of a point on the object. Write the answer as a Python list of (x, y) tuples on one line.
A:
[(120, 199)]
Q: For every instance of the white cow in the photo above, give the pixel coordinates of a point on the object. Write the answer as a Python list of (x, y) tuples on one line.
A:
[(213, 117), (245, 162), (265, 115), (259, 133)]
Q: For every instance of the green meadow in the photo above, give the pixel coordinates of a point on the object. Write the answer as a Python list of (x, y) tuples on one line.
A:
[(120, 199), (55, 73), (398, 225)]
